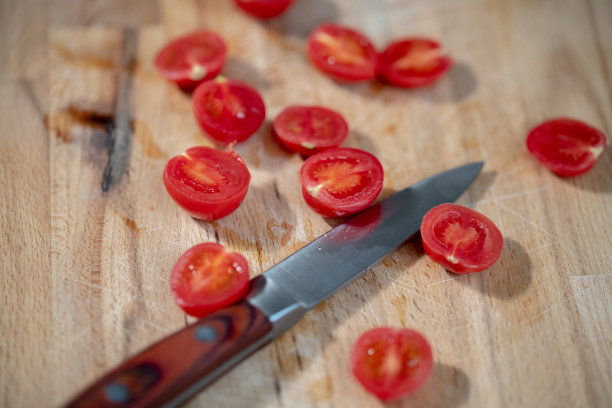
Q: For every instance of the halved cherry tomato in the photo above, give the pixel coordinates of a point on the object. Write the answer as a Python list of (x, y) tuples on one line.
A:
[(264, 8), (208, 277), (567, 147), (413, 62), (391, 363), (206, 182), (460, 239), (310, 129), (228, 110), (341, 181), (342, 53), (191, 59)]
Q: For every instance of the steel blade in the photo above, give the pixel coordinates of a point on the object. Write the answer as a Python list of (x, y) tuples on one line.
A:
[(341, 255)]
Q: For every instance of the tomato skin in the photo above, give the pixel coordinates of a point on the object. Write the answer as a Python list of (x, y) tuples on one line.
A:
[(177, 60), (264, 8), (390, 362), (326, 190), (212, 201), (343, 43), (423, 64), (310, 129), (567, 147), (228, 110), (476, 242), (198, 283)]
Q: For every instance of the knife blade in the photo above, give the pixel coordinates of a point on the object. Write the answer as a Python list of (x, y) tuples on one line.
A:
[(174, 369)]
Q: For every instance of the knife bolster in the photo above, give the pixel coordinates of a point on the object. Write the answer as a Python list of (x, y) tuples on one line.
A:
[(281, 309)]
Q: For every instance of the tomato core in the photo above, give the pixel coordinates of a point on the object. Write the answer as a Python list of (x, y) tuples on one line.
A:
[(206, 182), (228, 110), (310, 129), (208, 277), (391, 363), (341, 181), (565, 146), (460, 239), (413, 62), (342, 53), (191, 59)]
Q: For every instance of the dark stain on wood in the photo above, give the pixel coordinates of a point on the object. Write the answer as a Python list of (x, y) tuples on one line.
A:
[(62, 122), (131, 224), (121, 135)]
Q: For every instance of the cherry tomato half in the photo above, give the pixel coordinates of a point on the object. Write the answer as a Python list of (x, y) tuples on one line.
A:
[(341, 181), (310, 129), (191, 59), (208, 277), (413, 62), (206, 182), (460, 239), (264, 8), (228, 110), (391, 363), (567, 147), (342, 53)]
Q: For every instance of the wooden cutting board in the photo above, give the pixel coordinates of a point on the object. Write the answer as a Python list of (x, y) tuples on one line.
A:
[(89, 233)]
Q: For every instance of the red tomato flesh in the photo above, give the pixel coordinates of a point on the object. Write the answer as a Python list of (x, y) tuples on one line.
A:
[(413, 62), (206, 182), (310, 129), (460, 239), (264, 8), (341, 181), (208, 277), (228, 110), (391, 363), (191, 59), (342, 53), (567, 147)]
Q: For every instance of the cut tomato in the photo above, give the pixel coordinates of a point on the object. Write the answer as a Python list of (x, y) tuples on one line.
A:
[(413, 62), (341, 181), (310, 129), (206, 182), (391, 363), (208, 277), (567, 147), (228, 110), (342, 53), (191, 59), (460, 239), (264, 8)]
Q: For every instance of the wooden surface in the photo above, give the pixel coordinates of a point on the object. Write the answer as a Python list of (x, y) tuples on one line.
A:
[(89, 234)]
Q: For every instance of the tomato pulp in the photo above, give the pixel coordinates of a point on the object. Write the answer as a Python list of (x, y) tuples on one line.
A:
[(264, 8), (228, 110), (206, 182), (460, 239), (310, 129), (567, 147), (341, 181), (413, 62), (191, 59), (391, 363), (342, 53), (208, 277)]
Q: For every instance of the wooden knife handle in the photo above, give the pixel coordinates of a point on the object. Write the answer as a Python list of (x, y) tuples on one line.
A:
[(170, 371)]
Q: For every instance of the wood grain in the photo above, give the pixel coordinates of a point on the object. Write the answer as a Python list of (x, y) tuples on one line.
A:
[(90, 235)]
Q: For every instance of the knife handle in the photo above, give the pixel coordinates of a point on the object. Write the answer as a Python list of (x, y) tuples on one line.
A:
[(175, 368)]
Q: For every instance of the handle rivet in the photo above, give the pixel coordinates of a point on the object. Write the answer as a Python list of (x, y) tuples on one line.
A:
[(117, 393), (206, 334)]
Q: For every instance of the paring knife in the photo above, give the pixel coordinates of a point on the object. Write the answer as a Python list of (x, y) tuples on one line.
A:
[(173, 370)]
